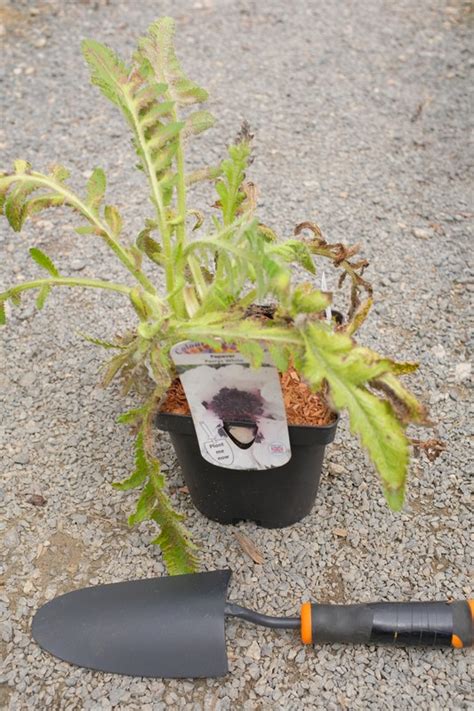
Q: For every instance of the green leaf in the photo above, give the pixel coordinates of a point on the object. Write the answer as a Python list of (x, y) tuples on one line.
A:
[(42, 296), (140, 474), (114, 365), (280, 356), (59, 172), (305, 299), (331, 357), (100, 342), (16, 204), (130, 417), (198, 122), (108, 72), (44, 261), (144, 505), (138, 304), (253, 351), (21, 166), (113, 219), (3, 316), (43, 202), (158, 49), (149, 246), (86, 230), (163, 134), (207, 173), (155, 113), (294, 251), (96, 188)]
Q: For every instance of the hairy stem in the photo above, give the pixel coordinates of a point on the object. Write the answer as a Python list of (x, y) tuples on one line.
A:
[(65, 281), (76, 203)]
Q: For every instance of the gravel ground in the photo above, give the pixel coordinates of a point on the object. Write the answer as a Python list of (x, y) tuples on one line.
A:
[(360, 112)]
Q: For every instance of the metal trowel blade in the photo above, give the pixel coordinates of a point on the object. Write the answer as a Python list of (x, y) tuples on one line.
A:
[(160, 627)]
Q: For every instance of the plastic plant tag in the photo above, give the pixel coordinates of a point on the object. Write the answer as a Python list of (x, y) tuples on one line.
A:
[(238, 411), (324, 287)]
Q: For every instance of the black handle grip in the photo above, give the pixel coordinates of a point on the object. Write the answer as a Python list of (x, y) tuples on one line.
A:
[(436, 624)]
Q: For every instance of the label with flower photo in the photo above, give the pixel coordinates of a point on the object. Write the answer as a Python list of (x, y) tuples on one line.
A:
[(238, 411)]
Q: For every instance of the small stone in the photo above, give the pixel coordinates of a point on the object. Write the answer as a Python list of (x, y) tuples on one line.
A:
[(77, 265), (27, 380), (28, 587), (439, 351), (421, 233), (462, 372), (253, 651), (21, 458), (300, 657), (41, 42), (115, 695), (37, 500), (336, 469), (340, 532)]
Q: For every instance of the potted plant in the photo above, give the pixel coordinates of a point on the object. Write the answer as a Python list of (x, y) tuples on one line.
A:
[(217, 274)]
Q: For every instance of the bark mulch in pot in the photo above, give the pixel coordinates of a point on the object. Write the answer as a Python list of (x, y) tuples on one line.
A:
[(303, 407)]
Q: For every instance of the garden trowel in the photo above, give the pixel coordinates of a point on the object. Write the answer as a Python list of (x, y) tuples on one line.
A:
[(174, 626)]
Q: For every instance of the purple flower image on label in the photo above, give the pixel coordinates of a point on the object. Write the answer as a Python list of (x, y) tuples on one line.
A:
[(234, 404)]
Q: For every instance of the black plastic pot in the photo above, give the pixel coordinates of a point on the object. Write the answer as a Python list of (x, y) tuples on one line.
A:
[(273, 498)]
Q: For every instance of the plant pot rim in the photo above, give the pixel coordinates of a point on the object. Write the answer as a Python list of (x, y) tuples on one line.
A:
[(182, 418)]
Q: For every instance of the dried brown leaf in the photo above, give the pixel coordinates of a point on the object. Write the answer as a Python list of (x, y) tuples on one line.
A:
[(249, 547)]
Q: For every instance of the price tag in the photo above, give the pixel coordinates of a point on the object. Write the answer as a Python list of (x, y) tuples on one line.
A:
[(238, 411)]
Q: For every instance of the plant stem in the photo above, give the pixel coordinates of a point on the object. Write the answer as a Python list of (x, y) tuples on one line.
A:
[(272, 335), (76, 203), (66, 281)]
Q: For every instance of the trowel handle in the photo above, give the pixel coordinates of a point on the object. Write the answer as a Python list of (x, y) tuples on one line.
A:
[(435, 624)]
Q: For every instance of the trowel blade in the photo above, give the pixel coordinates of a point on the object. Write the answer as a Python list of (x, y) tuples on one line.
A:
[(160, 627)]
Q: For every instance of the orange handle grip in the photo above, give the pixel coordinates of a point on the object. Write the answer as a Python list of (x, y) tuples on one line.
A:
[(435, 624)]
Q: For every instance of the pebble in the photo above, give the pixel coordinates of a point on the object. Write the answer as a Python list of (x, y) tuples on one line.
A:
[(77, 265), (22, 457), (421, 233), (336, 469), (253, 651)]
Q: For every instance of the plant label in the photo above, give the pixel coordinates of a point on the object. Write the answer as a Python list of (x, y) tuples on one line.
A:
[(238, 411)]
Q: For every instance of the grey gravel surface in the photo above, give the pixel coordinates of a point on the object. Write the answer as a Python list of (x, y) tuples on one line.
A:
[(361, 115)]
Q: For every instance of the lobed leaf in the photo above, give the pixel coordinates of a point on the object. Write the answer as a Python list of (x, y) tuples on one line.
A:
[(108, 72), (305, 299), (113, 219), (96, 188), (329, 357), (158, 49), (198, 122), (253, 351), (44, 261), (42, 296)]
